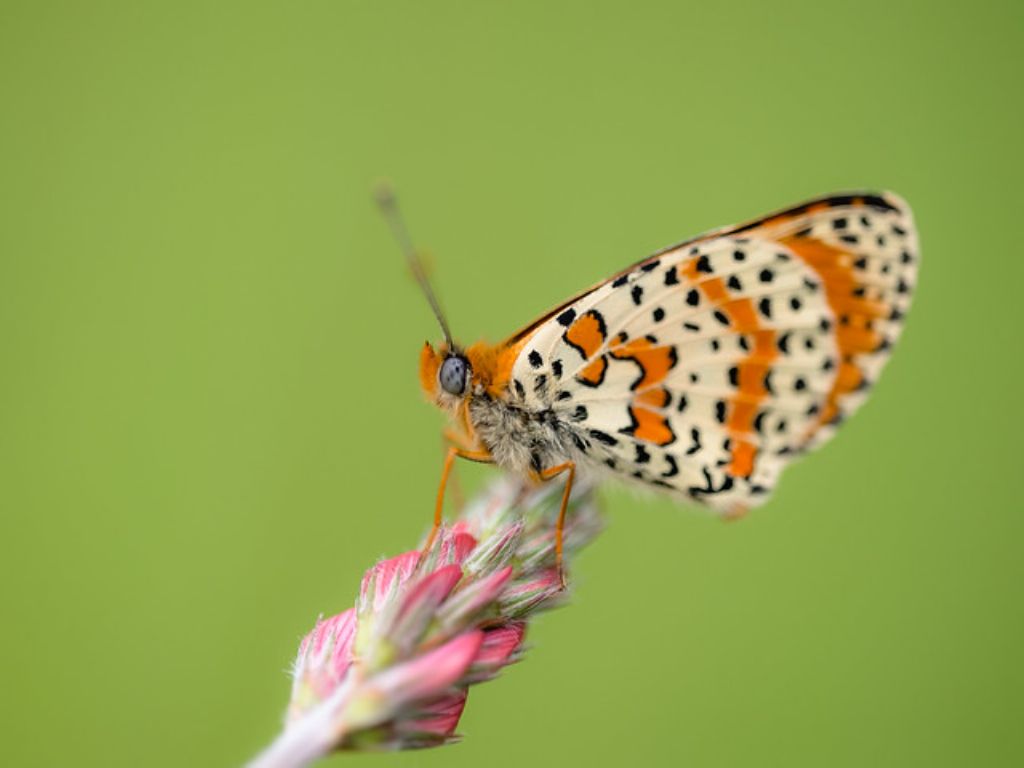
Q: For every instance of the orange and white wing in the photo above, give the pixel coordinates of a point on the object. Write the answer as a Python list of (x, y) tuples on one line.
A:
[(708, 367)]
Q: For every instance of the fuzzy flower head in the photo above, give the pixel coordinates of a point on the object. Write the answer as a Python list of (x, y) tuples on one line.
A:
[(393, 672)]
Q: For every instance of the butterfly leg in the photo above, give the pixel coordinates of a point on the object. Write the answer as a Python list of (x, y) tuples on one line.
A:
[(484, 457), (454, 437), (548, 474), (458, 498)]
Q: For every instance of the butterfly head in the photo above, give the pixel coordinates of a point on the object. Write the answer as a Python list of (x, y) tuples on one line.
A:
[(451, 375), (446, 375)]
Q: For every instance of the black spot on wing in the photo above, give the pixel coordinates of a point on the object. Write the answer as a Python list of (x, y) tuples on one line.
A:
[(759, 421), (603, 437), (709, 489), (840, 201), (880, 203), (673, 469), (567, 317), (633, 425), (695, 436), (535, 358), (642, 456)]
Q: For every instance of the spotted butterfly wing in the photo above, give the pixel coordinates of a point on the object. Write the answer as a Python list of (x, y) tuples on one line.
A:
[(707, 367)]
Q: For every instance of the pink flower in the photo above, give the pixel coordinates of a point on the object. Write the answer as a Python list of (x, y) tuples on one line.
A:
[(394, 671)]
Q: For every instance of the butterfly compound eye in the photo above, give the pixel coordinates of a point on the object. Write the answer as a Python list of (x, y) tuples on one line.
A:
[(453, 374)]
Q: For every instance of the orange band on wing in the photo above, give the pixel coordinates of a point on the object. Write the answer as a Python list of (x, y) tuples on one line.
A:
[(587, 334), (751, 371), (743, 454), (854, 316), (651, 426), (593, 374), (656, 398), (654, 362)]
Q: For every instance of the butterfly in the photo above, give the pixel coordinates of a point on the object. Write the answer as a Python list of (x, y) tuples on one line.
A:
[(702, 370)]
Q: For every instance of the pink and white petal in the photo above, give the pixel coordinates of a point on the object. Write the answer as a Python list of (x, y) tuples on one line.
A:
[(499, 644), (419, 607), (439, 718), (430, 674), (382, 581), (474, 597), (522, 598), (456, 546)]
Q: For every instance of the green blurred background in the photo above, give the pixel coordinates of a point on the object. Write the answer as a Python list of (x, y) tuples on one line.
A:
[(210, 421)]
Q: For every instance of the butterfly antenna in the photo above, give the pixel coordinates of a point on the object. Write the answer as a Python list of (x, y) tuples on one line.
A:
[(388, 204)]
